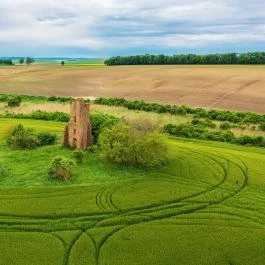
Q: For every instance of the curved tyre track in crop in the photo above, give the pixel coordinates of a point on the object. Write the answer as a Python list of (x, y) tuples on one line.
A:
[(111, 215)]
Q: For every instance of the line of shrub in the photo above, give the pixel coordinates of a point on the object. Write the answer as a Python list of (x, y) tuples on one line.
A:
[(6, 97), (220, 115), (197, 132), (38, 115)]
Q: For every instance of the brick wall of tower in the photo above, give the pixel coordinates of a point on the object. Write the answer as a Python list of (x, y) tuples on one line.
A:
[(78, 132)]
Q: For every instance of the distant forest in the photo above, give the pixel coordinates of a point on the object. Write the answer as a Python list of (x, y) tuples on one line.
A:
[(6, 61), (226, 58)]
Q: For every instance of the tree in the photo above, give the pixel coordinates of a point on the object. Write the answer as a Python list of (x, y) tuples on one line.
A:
[(14, 101), (61, 168), (46, 138), (29, 60), (21, 60), (62, 63), (135, 144)]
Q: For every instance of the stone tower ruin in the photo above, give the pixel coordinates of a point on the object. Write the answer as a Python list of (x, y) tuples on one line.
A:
[(78, 131)]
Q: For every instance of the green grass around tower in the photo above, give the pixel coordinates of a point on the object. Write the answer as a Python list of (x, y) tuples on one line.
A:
[(206, 206)]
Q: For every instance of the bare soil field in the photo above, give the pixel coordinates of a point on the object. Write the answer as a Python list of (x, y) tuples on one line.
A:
[(224, 87)]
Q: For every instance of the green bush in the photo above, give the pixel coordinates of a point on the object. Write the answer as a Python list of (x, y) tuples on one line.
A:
[(59, 99), (14, 101), (3, 98), (46, 138), (195, 132), (262, 126), (100, 121), (22, 138), (132, 145), (225, 126), (49, 116), (185, 130), (61, 168), (78, 156), (203, 123)]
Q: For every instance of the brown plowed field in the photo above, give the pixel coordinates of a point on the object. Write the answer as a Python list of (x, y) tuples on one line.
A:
[(223, 87)]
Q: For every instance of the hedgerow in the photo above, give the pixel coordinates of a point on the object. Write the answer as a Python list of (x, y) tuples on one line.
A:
[(197, 132), (219, 115), (203, 123)]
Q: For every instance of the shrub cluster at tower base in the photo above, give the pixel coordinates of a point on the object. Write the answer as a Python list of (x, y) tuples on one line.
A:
[(132, 144), (197, 132)]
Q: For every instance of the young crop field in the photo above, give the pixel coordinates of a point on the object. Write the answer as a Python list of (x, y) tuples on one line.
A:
[(221, 87), (206, 206)]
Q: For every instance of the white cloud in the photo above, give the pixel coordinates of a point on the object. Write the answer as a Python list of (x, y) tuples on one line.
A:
[(57, 27)]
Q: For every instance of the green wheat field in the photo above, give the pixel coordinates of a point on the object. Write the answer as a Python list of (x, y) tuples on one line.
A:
[(206, 206)]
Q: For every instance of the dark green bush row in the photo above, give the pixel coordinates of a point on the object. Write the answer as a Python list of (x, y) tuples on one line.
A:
[(227, 58), (203, 123), (6, 61), (59, 99), (220, 115), (39, 115), (196, 132), (6, 97)]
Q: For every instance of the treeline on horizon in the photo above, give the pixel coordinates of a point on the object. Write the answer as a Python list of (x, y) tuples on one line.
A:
[(6, 61), (226, 58)]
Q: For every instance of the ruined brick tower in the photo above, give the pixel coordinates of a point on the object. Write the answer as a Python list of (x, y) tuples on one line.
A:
[(78, 131)]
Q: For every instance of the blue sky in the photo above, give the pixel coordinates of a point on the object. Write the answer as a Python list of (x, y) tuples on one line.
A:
[(102, 28)]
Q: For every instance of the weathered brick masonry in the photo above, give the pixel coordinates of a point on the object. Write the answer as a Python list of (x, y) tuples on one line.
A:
[(78, 131)]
